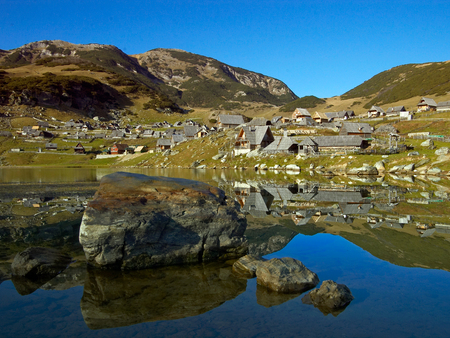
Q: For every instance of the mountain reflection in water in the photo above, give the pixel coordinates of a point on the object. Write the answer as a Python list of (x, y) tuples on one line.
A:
[(372, 225)]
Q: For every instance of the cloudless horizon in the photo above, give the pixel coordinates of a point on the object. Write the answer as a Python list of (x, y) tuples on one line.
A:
[(316, 47)]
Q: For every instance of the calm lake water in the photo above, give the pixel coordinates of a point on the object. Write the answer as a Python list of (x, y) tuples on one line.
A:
[(388, 243)]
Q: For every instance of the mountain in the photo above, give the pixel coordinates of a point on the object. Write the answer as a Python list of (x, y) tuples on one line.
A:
[(402, 83), (102, 77), (206, 82)]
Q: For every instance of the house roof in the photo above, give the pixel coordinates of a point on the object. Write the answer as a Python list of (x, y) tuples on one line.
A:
[(339, 141), (426, 101), (308, 142), (351, 127), (164, 142), (190, 131), (176, 138), (120, 146), (255, 134), (396, 109), (320, 115), (301, 111), (258, 121), (280, 143), (376, 109), (231, 119), (443, 104)]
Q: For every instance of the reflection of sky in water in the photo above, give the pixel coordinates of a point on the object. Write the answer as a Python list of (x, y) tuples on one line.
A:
[(390, 301)]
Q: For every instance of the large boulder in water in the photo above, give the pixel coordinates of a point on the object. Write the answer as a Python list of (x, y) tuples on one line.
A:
[(286, 275), (137, 221)]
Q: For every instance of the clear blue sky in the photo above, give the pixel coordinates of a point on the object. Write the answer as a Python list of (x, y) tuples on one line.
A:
[(317, 47)]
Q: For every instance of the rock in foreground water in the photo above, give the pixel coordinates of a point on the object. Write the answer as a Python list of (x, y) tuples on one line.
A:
[(137, 221), (331, 297), (285, 275)]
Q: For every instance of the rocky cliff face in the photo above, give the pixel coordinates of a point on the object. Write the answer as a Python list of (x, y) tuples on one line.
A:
[(136, 222)]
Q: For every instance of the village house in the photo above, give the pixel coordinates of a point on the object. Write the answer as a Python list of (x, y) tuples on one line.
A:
[(118, 148), (300, 113), (376, 111), (282, 144), (163, 144), (177, 138), (320, 117), (426, 104), (51, 146), (147, 133), (140, 149), (190, 131), (79, 149), (230, 121), (308, 146), (340, 143), (251, 138), (259, 121), (395, 110), (340, 115), (359, 129), (443, 106)]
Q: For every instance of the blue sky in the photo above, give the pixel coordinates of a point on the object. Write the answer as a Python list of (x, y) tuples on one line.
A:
[(317, 47)]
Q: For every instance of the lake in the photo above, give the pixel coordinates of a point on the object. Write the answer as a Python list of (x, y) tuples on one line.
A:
[(388, 241)]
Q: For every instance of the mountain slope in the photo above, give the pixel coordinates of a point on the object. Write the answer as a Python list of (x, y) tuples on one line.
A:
[(404, 82), (166, 78), (206, 82)]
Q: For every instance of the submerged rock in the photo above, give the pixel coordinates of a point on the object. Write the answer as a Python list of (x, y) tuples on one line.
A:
[(137, 221), (285, 275)]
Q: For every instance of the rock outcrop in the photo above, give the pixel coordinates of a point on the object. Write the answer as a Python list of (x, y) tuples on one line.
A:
[(286, 275), (330, 297), (137, 221)]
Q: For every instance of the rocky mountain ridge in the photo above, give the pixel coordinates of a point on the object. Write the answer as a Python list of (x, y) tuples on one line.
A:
[(174, 77)]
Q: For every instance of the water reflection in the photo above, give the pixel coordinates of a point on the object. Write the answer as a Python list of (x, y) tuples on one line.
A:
[(403, 221), (116, 298)]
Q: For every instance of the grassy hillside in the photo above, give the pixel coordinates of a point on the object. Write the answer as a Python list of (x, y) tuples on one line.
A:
[(404, 82)]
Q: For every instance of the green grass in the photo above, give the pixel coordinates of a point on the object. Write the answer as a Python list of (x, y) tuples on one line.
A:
[(404, 82)]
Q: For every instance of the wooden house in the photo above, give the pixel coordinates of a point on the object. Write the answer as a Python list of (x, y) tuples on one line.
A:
[(190, 131), (282, 144), (259, 121), (340, 115), (177, 138), (118, 148), (51, 146), (426, 104), (376, 111), (320, 117), (443, 106), (356, 129), (395, 110), (230, 121), (308, 146), (300, 113), (79, 149), (251, 138), (163, 144), (340, 143)]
